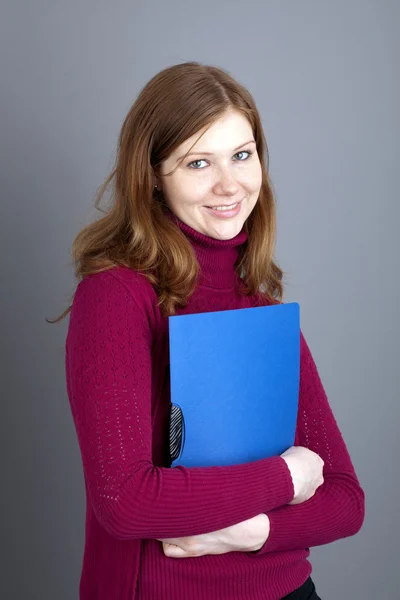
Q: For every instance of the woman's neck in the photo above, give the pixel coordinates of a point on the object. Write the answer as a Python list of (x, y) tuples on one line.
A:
[(216, 258)]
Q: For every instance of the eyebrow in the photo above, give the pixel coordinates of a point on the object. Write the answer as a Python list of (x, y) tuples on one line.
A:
[(210, 153)]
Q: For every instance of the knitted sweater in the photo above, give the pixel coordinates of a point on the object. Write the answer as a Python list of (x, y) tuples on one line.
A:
[(117, 371)]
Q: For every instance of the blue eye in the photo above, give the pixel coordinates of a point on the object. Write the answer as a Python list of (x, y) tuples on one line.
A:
[(194, 162), (200, 160), (244, 152)]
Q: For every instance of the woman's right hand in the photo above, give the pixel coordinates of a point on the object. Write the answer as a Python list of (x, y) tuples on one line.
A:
[(305, 467)]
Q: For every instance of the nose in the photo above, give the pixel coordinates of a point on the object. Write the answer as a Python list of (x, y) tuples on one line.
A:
[(226, 184)]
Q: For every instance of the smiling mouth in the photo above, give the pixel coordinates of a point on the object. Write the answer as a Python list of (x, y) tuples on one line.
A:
[(225, 206)]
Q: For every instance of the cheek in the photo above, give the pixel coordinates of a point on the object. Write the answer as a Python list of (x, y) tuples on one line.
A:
[(250, 176), (256, 176), (252, 181), (193, 187)]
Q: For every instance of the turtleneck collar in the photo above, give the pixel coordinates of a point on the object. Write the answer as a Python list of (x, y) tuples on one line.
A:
[(216, 257)]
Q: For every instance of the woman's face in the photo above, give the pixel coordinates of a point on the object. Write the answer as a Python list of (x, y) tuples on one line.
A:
[(222, 170)]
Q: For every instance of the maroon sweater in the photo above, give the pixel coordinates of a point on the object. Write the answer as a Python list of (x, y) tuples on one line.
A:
[(117, 369)]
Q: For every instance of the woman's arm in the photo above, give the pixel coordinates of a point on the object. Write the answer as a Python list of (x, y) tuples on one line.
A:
[(337, 508), (109, 382)]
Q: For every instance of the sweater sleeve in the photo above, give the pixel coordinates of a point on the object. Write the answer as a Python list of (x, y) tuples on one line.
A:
[(337, 508), (109, 384)]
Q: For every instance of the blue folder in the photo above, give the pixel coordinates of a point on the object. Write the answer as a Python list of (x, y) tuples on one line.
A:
[(235, 376)]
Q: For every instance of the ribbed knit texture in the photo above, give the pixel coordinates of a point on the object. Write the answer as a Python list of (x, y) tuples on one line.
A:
[(117, 370)]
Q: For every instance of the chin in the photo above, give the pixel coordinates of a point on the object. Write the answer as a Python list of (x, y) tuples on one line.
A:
[(226, 231)]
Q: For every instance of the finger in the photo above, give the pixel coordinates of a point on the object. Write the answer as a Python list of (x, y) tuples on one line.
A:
[(173, 551)]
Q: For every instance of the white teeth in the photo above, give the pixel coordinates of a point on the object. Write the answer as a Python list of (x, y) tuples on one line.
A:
[(231, 207)]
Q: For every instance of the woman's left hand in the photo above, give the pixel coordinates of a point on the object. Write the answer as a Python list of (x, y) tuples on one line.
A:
[(247, 536)]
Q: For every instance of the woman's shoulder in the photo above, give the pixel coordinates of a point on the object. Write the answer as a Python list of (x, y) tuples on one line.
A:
[(115, 285), (134, 281), (111, 302)]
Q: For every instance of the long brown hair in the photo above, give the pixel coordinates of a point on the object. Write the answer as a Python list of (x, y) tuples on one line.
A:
[(175, 104)]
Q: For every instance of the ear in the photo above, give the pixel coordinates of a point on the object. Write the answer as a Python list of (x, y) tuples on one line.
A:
[(156, 182), (157, 185)]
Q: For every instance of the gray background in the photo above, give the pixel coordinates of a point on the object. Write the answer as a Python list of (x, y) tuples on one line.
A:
[(325, 78)]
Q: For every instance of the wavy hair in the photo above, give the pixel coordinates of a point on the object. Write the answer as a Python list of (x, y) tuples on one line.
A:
[(175, 104)]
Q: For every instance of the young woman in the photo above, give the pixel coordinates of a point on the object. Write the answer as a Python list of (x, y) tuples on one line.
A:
[(190, 228)]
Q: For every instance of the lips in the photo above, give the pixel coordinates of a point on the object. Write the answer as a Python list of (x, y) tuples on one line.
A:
[(228, 213), (224, 205)]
